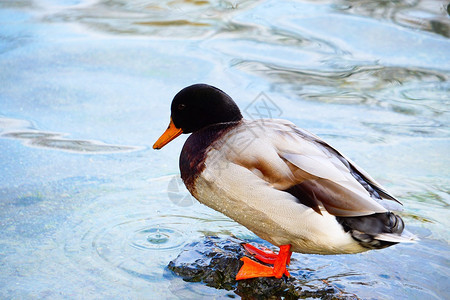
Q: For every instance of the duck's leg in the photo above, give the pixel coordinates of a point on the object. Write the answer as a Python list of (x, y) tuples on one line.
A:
[(253, 269), (283, 259), (265, 255)]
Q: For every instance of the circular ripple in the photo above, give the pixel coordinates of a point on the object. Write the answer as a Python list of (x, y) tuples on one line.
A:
[(139, 247), (156, 238), (136, 240)]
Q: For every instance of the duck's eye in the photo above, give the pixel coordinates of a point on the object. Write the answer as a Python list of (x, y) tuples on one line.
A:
[(181, 106)]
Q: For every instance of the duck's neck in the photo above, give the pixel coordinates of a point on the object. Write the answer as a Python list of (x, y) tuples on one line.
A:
[(194, 152)]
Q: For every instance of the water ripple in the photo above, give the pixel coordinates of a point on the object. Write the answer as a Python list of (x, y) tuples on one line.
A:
[(136, 245), (352, 84), (432, 97), (428, 15), (419, 127), (177, 18), (356, 77), (24, 131)]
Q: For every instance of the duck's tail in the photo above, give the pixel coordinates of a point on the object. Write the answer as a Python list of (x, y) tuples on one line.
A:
[(404, 237), (376, 231)]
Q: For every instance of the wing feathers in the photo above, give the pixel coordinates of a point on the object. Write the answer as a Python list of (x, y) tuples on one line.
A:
[(336, 183), (313, 172), (338, 200), (315, 165), (355, 169)]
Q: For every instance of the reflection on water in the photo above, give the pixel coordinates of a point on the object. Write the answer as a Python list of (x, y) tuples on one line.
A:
[(371, 77), (426, 15), (23, 130), (354, 77), (181, 18), (415, 92), (141, 17)]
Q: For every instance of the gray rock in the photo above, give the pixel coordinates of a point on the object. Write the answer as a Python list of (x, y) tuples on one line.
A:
[(215, 261)]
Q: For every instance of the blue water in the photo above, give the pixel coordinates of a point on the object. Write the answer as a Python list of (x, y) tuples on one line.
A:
[(89, 210)]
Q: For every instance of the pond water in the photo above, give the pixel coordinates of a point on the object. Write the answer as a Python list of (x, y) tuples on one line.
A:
[(89, 210)]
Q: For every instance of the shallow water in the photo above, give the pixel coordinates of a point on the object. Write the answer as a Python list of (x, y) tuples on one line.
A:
[(89, 210)]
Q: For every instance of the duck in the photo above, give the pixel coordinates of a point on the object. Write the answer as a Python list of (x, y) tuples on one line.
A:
[(283, 183)]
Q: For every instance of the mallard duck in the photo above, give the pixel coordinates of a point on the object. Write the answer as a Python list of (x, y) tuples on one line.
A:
[(286, 185)]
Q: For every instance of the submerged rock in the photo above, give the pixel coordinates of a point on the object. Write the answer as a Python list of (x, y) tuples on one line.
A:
[(215, 261)]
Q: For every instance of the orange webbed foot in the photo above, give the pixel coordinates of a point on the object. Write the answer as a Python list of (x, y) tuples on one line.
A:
[(253, 269)]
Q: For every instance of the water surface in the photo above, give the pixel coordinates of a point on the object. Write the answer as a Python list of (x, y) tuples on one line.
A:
[(89, 210)]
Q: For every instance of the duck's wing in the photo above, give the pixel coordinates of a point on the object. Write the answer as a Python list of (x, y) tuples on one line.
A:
[(372, 186), (321, 177)]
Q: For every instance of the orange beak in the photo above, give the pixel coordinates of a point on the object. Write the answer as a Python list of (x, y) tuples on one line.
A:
[(170, 134)]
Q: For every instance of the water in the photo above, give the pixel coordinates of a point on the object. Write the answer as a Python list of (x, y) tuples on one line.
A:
[(89, 210)]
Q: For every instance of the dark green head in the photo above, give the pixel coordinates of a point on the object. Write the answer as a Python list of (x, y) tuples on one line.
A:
[(200, 105)]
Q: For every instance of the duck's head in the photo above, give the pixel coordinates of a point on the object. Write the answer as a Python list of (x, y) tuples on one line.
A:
[(196, 107)]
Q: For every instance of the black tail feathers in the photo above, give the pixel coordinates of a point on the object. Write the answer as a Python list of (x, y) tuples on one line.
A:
[(376, 231)]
